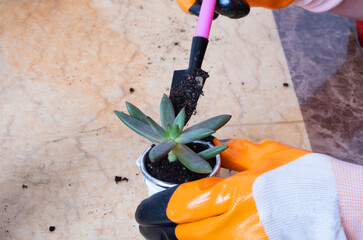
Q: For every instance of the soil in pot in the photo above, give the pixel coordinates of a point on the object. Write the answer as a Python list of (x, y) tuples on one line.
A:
[(175, 172)]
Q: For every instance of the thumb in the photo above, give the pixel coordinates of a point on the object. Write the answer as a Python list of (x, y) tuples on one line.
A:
[(236, 156), (244, 155)]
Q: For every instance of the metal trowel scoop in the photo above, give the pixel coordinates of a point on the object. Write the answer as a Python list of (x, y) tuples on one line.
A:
[(187, 84)]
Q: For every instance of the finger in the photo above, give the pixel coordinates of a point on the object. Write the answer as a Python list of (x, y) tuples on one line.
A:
[(238, 155), (232, 8), (158, 215), (244, 155), (270, 4), (198, 200), (158, 233), (152, 211), (151, 216), (227, 226), (222, 210)]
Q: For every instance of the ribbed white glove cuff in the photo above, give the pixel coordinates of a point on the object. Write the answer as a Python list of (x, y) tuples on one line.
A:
[(349, 182)]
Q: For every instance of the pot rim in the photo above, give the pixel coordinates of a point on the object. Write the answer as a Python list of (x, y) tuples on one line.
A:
[(164, 184)]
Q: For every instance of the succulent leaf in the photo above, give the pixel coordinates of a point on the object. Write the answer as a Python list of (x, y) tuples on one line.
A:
[(175, 131), (167, 114), (168, 128), (193, 135), (211, 152), (214, 123), (157, 128), (139, 127), (136, 113), (180, 119), (191, 160), (161, 150)]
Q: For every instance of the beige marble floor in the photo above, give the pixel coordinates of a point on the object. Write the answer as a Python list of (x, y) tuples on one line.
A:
[(66, 65)]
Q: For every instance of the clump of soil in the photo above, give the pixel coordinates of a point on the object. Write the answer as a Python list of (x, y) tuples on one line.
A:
[(51, 228), (120, 179), (187, 93), (175, 172), (285, 84), (132, 90), (24, 186)]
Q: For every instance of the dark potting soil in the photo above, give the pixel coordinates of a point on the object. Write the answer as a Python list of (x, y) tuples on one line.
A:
[(120, 179), (175, 172), (187, 93)]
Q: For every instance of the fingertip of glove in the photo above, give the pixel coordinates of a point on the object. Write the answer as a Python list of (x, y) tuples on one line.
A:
[(152, 211), (158, 233), (233, 9)]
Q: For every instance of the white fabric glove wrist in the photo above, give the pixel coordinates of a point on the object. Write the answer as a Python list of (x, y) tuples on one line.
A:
[(317, 6)]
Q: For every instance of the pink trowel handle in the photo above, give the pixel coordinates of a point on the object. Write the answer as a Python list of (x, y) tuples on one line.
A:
[(205, 18)]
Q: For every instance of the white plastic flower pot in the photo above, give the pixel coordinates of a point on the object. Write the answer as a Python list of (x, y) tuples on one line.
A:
[(154, 185)]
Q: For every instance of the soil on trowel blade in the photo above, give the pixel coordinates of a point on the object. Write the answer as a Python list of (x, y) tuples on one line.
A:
[(187, 93), (175, 172)]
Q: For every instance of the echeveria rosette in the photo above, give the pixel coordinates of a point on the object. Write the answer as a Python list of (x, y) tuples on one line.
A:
[(170, 138)]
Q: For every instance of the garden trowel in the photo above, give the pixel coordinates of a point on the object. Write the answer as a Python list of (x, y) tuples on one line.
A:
[(187, 84)]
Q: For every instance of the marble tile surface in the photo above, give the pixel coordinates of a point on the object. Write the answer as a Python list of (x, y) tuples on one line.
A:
[(326, 67), (66, 65)]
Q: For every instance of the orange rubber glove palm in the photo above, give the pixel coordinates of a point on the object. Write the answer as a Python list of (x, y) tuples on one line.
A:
[(280, 193)]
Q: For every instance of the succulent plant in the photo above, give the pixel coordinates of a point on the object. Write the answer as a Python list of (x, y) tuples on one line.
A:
[(170, 138)]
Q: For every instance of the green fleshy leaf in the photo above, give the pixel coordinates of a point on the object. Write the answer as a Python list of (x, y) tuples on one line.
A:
[(175, 131), (157, 128), (214, 123), (180, 119), (161, 150), (136, 113), (168, 128), (211, 152), (171, 157), (139, 127), (194, 135), (167, 114), (191, 160)]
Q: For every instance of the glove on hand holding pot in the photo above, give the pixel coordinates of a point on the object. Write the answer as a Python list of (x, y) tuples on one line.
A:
[(280, 193)]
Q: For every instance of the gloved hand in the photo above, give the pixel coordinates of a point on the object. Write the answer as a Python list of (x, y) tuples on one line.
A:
[(280, 193), (229, 8), (233, 8)]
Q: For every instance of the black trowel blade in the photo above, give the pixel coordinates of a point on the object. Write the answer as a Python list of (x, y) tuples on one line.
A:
[(186, 90), (178, 76)]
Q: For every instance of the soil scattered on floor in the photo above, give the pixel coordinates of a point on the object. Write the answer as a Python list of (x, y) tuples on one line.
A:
[(186, 94), (120, 179), (52, 228), (175, 172)]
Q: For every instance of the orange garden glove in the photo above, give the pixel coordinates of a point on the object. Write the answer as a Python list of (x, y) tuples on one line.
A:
[(229, 8), (233, 8), (280, 193)]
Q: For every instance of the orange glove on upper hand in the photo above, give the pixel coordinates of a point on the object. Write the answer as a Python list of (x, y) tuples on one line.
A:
[(280, 193), (229, 8), (233, 8)]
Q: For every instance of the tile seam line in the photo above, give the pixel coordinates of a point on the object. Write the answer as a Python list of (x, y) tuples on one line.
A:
[(86, 134)]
